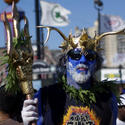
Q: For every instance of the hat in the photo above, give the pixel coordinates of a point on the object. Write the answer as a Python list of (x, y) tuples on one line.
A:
[(122, 99), (80, 39)]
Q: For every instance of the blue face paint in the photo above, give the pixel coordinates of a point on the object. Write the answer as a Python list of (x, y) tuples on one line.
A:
[(81, 64)]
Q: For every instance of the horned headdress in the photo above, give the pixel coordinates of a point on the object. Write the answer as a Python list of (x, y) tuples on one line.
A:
[(82, 41)]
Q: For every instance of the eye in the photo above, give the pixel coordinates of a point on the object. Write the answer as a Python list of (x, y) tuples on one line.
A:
[(91, 56), (74, 55)]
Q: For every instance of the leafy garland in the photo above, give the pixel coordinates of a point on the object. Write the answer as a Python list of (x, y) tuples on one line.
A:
[(88, 96), (11, 81)]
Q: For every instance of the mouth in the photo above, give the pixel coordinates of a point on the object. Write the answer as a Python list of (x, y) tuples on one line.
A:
[(82, 67)]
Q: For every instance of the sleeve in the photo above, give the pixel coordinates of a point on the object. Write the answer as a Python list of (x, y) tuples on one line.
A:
[(38, 95), (114, 108)]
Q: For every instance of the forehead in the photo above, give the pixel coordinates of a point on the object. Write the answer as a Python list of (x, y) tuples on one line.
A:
[(85, 52)]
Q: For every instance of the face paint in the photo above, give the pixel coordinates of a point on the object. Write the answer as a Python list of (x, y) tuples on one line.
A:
[(80, 66)]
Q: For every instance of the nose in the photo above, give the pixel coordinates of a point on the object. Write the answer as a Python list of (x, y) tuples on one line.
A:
[(83, 60)]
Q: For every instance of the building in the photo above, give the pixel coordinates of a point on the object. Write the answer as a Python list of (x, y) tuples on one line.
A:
[(45, 71), (113, 54)]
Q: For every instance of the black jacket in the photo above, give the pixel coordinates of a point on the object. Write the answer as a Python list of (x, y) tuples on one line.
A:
[(57, 105)]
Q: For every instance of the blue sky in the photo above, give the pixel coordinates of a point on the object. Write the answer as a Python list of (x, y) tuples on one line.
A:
[(83, 14)]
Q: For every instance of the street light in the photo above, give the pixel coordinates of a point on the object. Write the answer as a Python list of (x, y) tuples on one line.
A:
[(98, 6)]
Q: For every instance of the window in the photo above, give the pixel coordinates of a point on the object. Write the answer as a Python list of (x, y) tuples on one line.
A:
[(121, 44)]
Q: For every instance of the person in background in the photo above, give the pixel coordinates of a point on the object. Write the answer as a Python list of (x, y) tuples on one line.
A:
[(10, 107), (121, 111)]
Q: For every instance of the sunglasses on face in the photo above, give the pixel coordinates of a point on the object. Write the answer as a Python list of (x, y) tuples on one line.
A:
[(77, 54)]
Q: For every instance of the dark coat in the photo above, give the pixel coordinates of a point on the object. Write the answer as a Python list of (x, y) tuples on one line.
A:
[(56, 104)]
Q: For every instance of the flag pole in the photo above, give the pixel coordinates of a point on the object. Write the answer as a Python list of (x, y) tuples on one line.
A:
[(41, 37), (37, 30)]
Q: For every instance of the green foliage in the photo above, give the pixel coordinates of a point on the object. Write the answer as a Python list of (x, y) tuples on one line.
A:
[(12, 82), (87, 97), (106, 86), (22, 40), (4, 59)]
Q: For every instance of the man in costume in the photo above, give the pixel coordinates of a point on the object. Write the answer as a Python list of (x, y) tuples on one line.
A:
[(78, 98)]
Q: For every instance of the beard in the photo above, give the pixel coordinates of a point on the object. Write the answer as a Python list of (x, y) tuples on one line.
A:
[(81, 77)]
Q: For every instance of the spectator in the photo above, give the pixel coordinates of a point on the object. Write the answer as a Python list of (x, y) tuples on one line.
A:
[(121, 111), (10, 107)]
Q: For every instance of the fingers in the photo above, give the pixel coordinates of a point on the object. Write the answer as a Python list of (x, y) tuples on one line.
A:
[(30, 108), (30, 114), (30, 102), (30, 111)]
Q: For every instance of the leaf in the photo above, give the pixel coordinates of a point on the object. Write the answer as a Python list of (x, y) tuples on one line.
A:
[(88, 96)]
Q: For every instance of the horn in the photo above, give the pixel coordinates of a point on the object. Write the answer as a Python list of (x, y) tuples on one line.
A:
[(49, 28), (26, 31), (48, 33), (26, 26), (15, 16), (109, 33), (71, 41), (8, 32)]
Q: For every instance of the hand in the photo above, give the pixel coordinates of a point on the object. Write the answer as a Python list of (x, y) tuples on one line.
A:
[(30, 111)]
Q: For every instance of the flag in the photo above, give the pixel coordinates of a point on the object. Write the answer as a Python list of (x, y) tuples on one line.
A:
[(111, 23), (54, 14)]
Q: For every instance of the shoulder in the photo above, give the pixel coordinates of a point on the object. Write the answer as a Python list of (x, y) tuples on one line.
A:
[(52, 89), (53, 92), (49, 91), (38, 93)]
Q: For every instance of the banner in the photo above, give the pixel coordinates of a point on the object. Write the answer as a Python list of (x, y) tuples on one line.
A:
[(111, 23), (54, 14)]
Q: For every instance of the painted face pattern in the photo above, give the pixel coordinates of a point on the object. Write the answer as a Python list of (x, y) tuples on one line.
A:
[(80, 116), (80, 66)]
